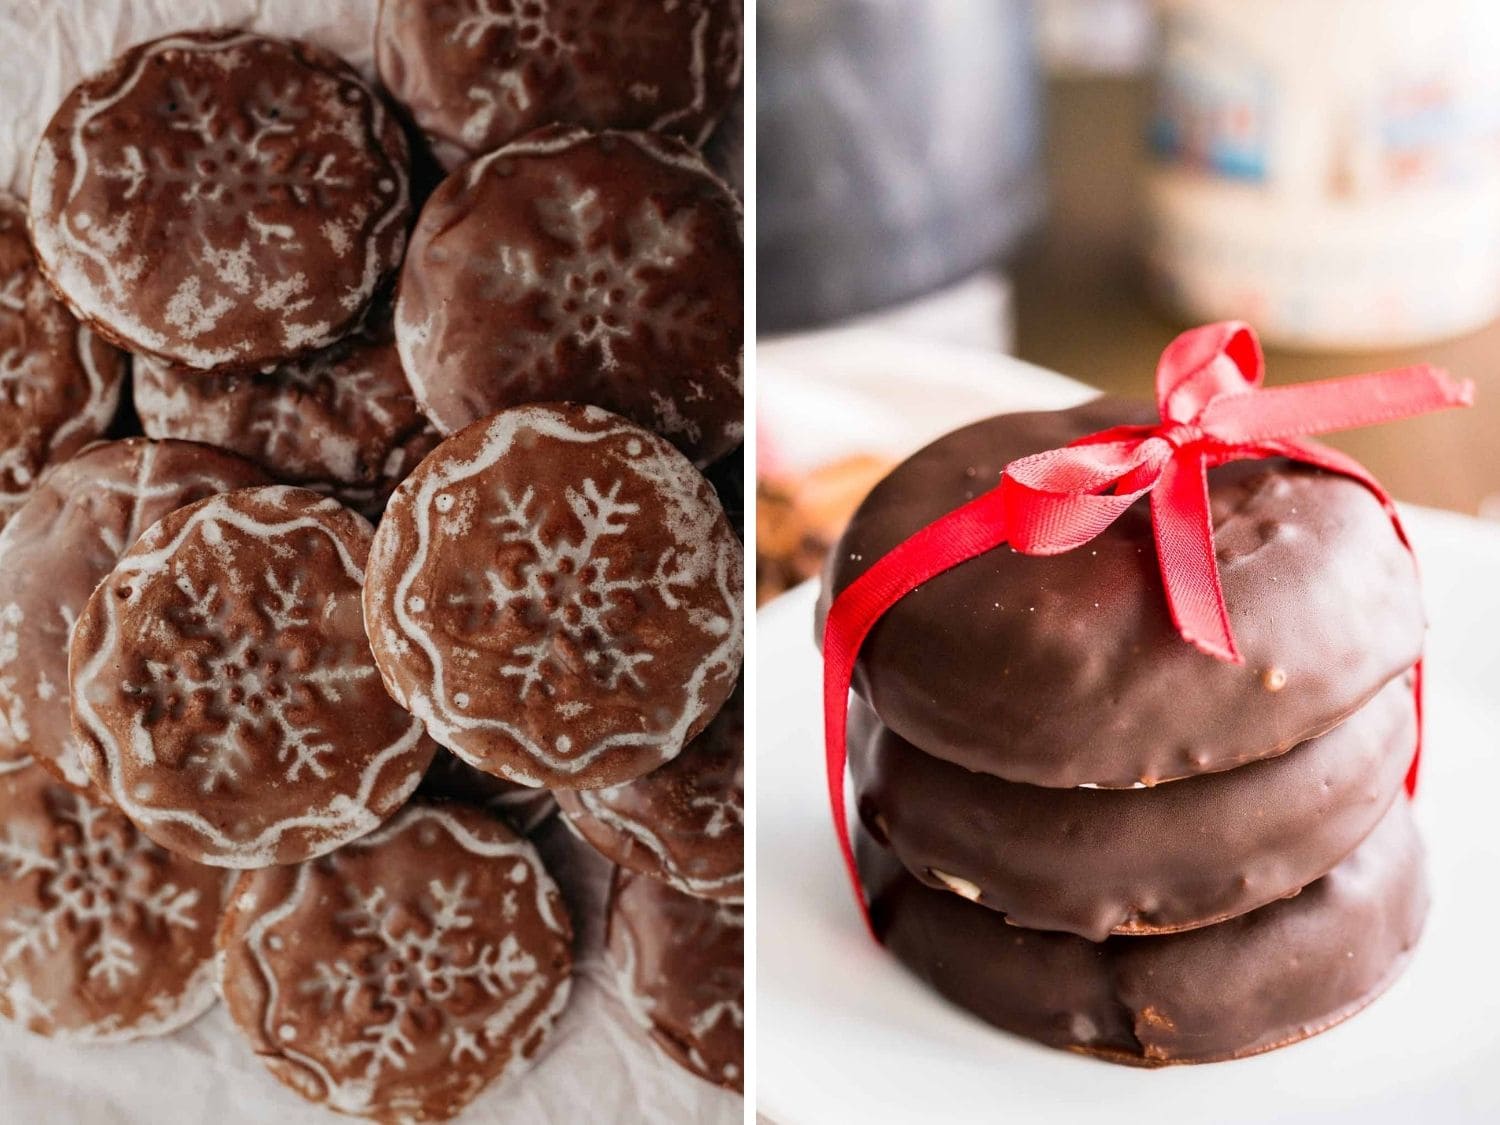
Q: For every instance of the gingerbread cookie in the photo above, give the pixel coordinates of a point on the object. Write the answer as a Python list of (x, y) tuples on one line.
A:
[(83, 516), (679, 965), (450, 778), (682, 823), (556, 593), (221, 199), (576, 267), (477, 73), (1101, 861), (1260, 981), (1069, 669), (103, 936), (224, 695), (341, 421), (59, 383), (399, 976)]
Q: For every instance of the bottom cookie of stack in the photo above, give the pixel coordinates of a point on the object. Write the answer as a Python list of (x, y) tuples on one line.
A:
[(1260, 981)]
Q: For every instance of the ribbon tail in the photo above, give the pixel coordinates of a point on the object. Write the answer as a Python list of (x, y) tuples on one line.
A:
[(1184, 530), (962, 534)]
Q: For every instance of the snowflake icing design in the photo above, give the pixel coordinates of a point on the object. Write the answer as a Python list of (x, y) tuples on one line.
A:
[(726, 811), (591, 292), (414, 965), (13, 723), (247, 677), (94, 885)]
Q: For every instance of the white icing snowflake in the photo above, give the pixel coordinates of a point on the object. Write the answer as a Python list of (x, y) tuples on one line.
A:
[(726, 811), (14, 727), (416, 965), (592, 292), (249, 681), (93, 887)]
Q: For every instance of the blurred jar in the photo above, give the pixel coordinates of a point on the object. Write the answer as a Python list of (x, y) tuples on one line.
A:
[(1328, 169), (897, 149)]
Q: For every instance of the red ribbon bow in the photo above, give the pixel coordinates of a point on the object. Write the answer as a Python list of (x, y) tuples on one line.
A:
[(1213, 411)]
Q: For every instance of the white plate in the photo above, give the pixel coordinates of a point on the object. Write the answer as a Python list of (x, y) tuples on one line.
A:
[(846, 1035)]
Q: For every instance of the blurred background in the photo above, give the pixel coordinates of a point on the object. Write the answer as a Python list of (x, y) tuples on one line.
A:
[(943, 184)]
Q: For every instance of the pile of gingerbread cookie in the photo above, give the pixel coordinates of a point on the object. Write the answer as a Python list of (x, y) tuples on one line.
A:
[(254, 745), (1086, 831)]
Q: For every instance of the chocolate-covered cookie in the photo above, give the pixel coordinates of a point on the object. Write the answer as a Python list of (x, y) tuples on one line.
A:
[(523, 807), (1260, 981), (1066, 670), (224, 695), (103, 936), (59, 383), (83, 516), (577, 267), (1136, 861), (679, 964), (477, 73), (399, 976), (341, 421), (221, 199), (682, 823), (555, 592)]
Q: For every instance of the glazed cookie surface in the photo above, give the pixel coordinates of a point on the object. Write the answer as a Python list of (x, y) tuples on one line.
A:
[(555, 592), (679, 966), (221, 199), (682, 823), (63, 541), (224, 695), (59, 383), (1066, 670), (400, 975), (569, 266), (341, 421), (1263, 980), (106, 937), (475, 74), (1136, 861)]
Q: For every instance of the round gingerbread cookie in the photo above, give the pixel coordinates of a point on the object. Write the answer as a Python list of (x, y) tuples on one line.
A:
[(1254, 983), (62, 542), (104, 936), (1066, 670), (577, 267), (523, 807), (221, 199), (1136, 861), (341, 421), (679, 964), (682, 823), (224, 695), (399, 976), (475, 74), (59, 383), (555, 592)]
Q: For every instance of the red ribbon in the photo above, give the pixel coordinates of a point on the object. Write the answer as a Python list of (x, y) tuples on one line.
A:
[(1213, 411)]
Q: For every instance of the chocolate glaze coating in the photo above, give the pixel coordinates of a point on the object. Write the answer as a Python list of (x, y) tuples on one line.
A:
[(107, 936), (1177, 856), (475, 74), (221, 199), (682, 823), (571, 266), (341, 421), (555, 592), (59, 382), (1066, 670), (399, 976), (1260, 981), (224, 693), (680, 966), (64, 540)]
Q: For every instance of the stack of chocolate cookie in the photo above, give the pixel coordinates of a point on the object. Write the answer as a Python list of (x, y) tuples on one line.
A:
[(209, 657), (1088, 832)]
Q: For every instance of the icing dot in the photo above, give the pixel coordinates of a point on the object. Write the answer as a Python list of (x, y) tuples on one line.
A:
[(275, 941), (633, 447), (564, 743), (416, 604), (287, 1032), (444, 502), (461, 699), (1274, 679)]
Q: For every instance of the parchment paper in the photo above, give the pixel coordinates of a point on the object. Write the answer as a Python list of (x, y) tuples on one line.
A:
[(599, 1067)]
